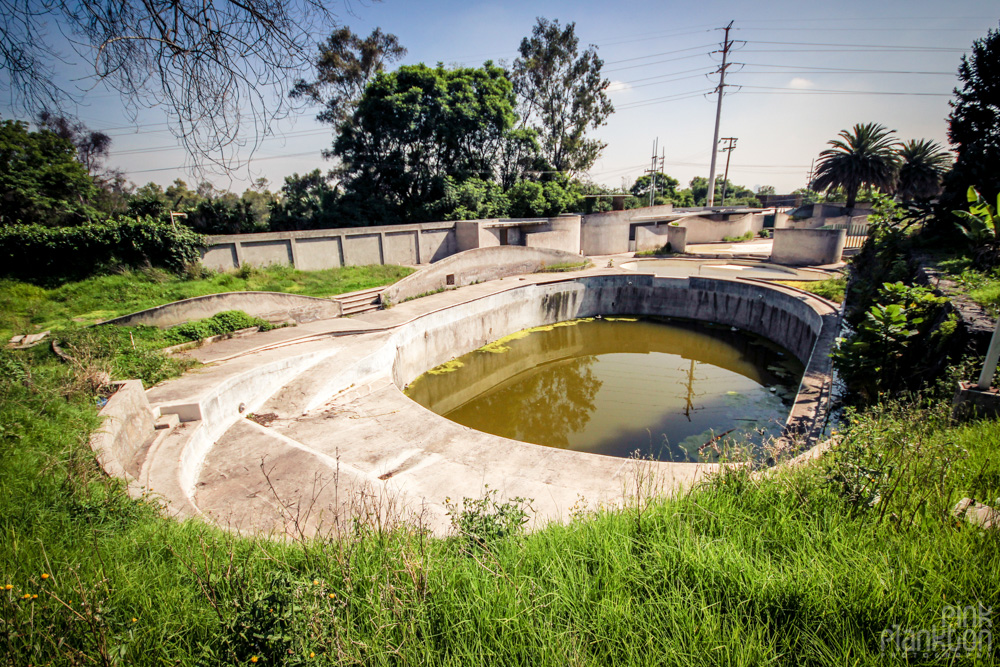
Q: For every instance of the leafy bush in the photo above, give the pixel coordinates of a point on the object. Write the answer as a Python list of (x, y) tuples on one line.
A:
[(217, 325), (901, 338), (981, 225), (39, 253), (483, 521)]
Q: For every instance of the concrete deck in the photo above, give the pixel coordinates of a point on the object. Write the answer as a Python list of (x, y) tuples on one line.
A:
[(302, 430)]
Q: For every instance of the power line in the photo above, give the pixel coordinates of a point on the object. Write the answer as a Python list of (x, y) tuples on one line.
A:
[(821, 91)]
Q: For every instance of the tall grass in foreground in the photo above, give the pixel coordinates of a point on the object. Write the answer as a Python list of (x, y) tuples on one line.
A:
[(803, 566)]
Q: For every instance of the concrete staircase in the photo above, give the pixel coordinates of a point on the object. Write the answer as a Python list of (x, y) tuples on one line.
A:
[(362, 301)]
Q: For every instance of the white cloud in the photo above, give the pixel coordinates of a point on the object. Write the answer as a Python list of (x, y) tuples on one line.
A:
[(799, 82)]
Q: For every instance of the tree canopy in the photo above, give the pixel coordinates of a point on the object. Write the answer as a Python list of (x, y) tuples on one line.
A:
[(974, 125), (865, 156), (923, 163), (41, 180), (418, 125), (561, 95)]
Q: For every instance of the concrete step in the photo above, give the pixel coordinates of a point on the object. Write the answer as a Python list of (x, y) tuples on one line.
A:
[(362, 301), (162, 428)]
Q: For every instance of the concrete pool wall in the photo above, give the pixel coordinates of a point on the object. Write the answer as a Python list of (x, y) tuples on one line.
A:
[(314, 386)]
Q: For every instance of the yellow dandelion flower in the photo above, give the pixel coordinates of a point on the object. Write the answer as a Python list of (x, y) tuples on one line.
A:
[(253, 658), (333, 595), (26, 596), (135, 620), (45, 575), (315, 582), (35, 596), (7, 587), (312, 654)]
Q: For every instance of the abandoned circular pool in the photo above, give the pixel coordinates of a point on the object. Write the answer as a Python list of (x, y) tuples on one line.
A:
[(663, 389)]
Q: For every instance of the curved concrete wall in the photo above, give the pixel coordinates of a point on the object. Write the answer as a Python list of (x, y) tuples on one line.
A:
[(803, 324), (128, 423), (475, 266), (805, 247), (276, 306)]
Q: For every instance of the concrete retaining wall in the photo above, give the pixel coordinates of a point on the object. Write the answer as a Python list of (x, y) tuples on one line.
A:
[(805, 247), (474, 266), (128, 424), (330, 248), (272, 306), (608, 233)]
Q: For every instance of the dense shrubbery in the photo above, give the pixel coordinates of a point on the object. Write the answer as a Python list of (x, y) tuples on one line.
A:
[(35, 252), (217, 325)]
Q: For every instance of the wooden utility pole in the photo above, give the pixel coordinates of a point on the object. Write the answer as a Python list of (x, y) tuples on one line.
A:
[(727, 44)]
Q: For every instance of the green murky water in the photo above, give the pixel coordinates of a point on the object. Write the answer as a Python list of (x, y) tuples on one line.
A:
[(673, 390)]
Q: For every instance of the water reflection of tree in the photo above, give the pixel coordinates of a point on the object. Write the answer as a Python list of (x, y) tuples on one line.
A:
[(544, 407)]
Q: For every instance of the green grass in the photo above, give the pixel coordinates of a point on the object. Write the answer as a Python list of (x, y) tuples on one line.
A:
[(25, 307), (563, 267), (748, 236), (804, 567), (831, 288), (655, 252), (981, 286)]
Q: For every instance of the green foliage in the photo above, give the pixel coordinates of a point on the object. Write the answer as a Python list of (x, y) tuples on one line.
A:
[(25, 307), (832, 288), (481, 522), (217, 325), (981, 226), (666, 189), (561, 95), (902, 337), (41, 180), (737, 239), (417, 126), (736, 195), (923, 164), (344, 66), (306, 202), (40, 253), (974, 128), (863, 157)]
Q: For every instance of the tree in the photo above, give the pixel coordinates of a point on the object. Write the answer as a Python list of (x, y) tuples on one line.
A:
[(345, 65), (864, 156), (922, 165), (219, 67), (418, 125), (974, 126), (305, 202), (41, 180), (666, 187), (561, 95)]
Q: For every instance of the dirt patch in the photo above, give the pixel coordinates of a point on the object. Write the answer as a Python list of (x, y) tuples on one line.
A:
[(264, 420)]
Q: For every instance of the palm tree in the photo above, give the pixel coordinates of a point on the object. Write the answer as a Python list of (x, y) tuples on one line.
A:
[(865, 156), (924, 164)]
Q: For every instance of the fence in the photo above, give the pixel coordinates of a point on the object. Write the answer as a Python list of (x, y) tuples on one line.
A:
[(857, 231)]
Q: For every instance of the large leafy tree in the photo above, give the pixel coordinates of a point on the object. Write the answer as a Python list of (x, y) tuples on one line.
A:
[(561, 95), (417, 126), (344, 66), (974, 125), (865, 156), (665, 187), (41, 180), (922, 165)]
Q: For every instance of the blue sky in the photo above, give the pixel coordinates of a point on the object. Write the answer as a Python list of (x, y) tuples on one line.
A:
[(808, 71)]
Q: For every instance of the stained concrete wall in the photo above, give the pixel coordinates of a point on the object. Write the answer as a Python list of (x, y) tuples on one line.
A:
[(127, 424), (803, 324), (475, 266), (715, 228), (608, 233), (560, 233), (272, 306), (808, 247), (330, 248)]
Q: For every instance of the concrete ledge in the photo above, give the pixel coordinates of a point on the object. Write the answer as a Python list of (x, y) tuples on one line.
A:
[(128, 421), (475, 266), (272, 306)]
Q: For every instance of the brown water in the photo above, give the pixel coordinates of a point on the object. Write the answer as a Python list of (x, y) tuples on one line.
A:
[(670, 389)]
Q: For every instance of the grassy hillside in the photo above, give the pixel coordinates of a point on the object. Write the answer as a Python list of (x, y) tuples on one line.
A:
[(25, 307)]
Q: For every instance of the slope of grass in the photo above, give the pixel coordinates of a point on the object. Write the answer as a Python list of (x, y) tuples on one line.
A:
[(25, 307), (808, 566), (983, 287), (832, 288)]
